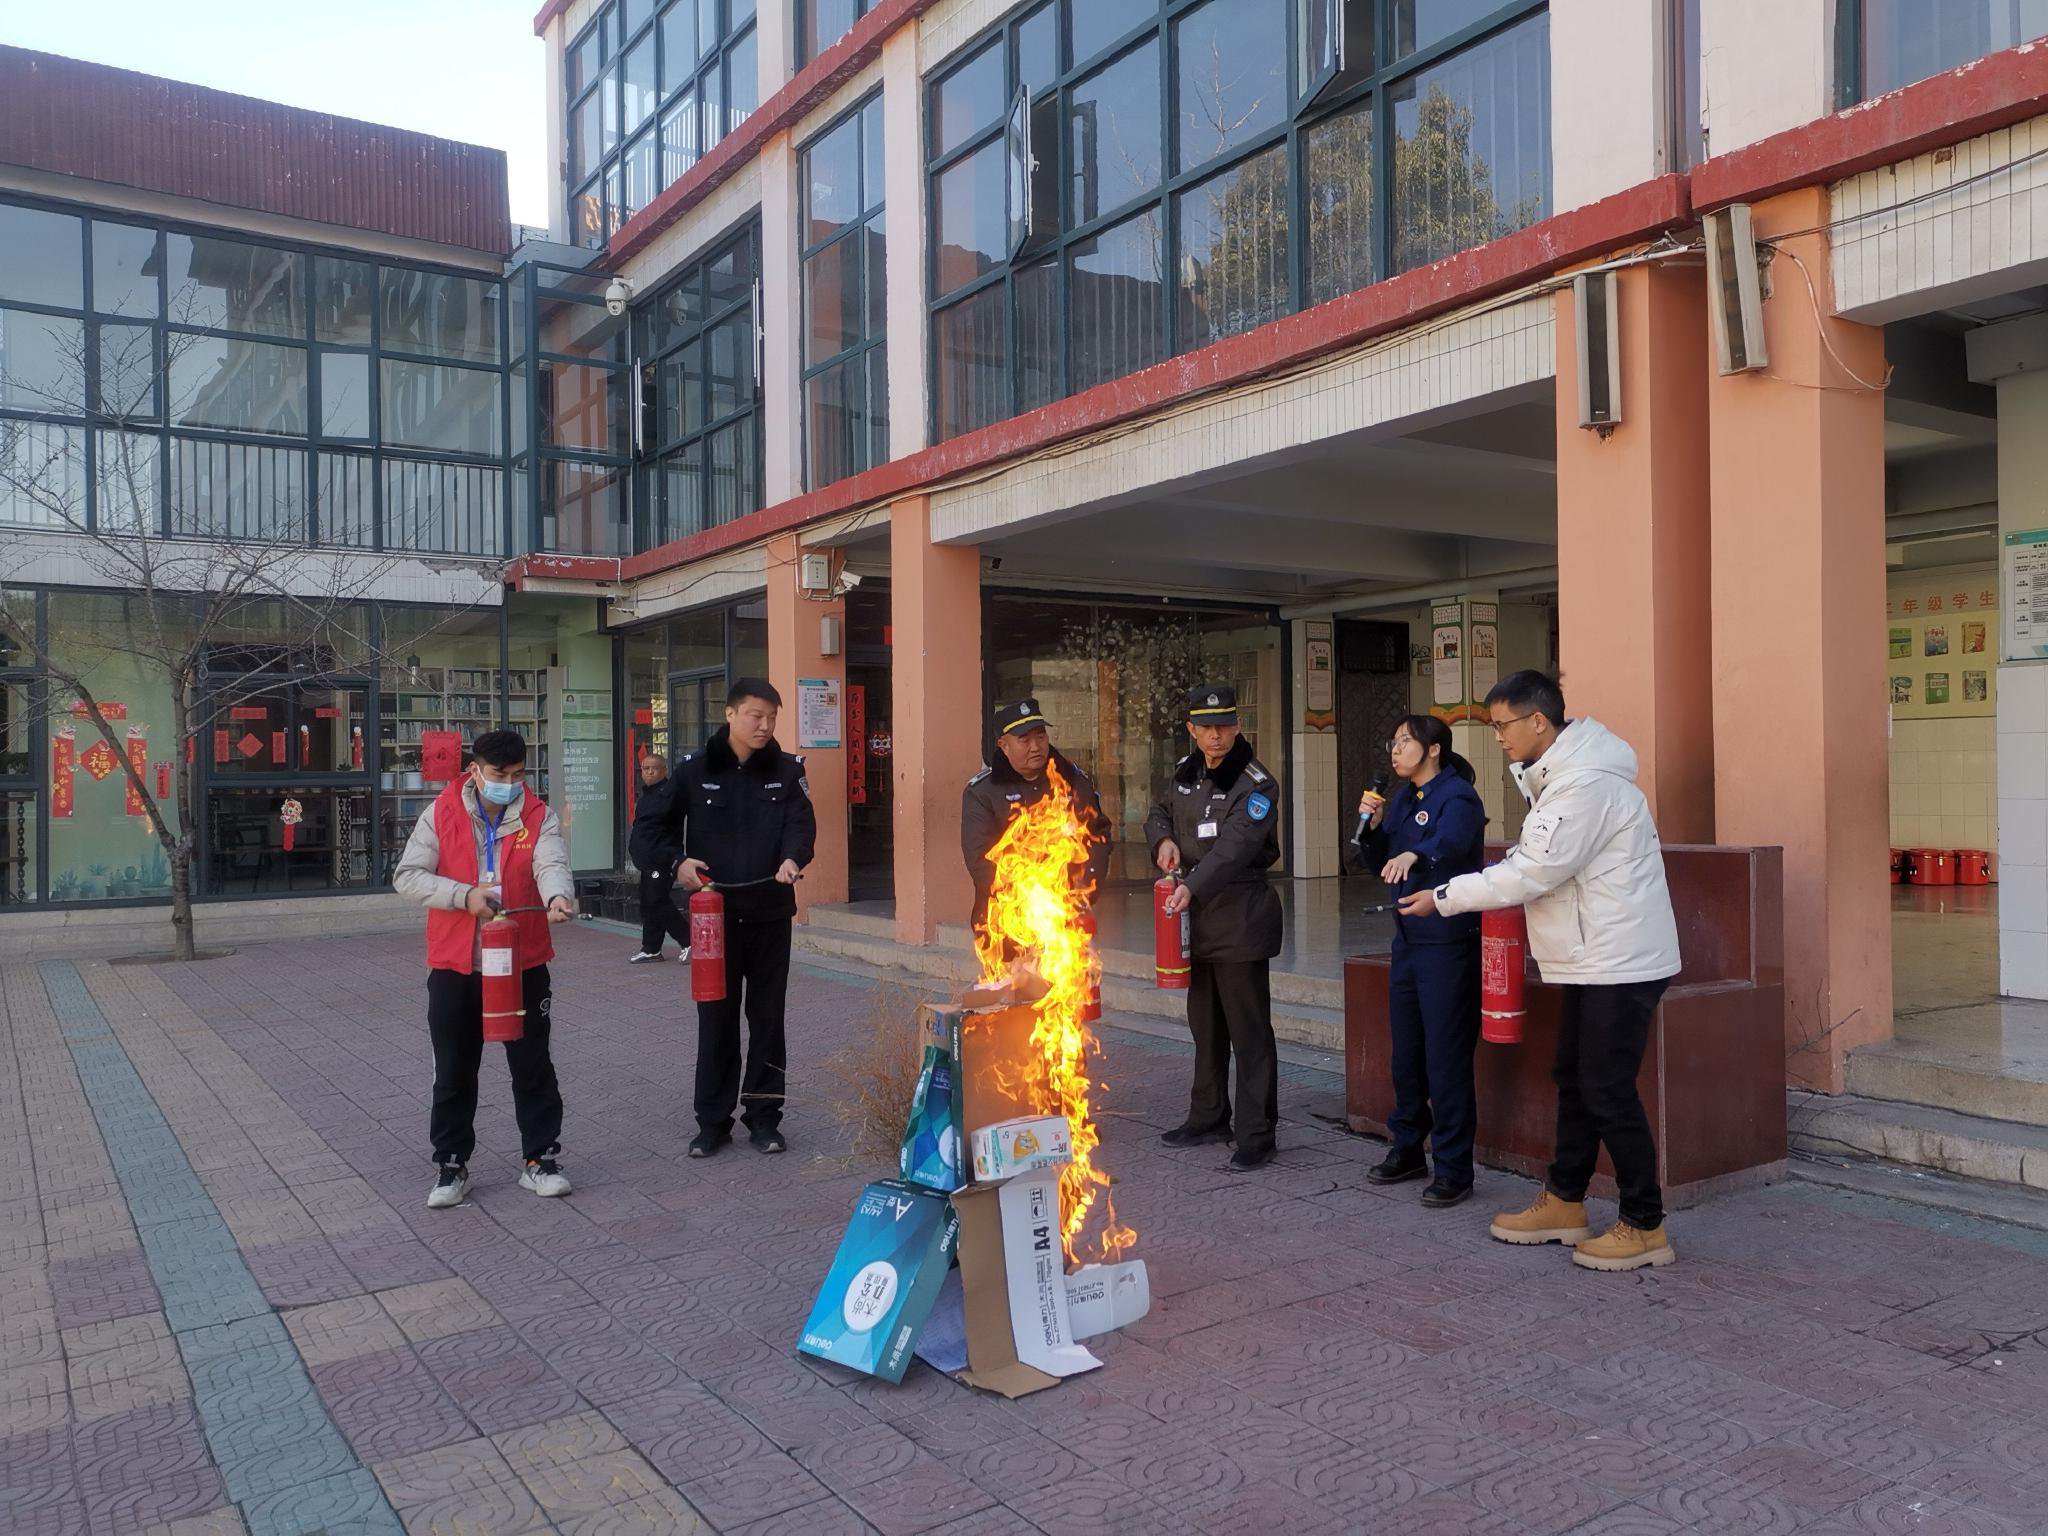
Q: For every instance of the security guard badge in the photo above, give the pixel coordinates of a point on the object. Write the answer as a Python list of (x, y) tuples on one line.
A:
[(1259, 806), (1422, 818)]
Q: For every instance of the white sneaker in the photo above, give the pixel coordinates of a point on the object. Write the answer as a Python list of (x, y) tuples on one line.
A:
[(545, 1178), (449, 1188), (685, 955), (644, 956)]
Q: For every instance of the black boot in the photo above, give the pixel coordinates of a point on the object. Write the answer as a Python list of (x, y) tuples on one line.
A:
[(1397, 1168), (1192, 1135)]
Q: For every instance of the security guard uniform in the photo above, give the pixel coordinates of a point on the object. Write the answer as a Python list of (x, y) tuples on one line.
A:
[(1225, 822), (999, 792), (742, 820)]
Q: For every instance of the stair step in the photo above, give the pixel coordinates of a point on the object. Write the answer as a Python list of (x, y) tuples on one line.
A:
[(2015, 1205), (840, 920), (1905, 1072), (1920, 1136)]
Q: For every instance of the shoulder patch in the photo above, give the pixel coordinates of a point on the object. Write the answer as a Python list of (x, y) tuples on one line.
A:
[(981, 775), (1258, 774), (803, 782), (1259, 806)]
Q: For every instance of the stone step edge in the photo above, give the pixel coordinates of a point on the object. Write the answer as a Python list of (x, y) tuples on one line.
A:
[(2012, 1205), (1918, 1136), (1891, 1076)]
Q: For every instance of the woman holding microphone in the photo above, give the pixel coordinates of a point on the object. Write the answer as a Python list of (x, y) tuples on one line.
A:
[(1434, 827)]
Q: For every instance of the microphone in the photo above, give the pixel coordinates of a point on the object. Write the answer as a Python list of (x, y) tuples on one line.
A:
[(1378, 791)]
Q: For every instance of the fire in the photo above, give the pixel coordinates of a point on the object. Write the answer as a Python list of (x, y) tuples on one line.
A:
[(1035, 921)]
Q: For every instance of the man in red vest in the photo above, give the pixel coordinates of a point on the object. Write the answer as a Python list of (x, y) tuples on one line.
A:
[(483, 845)]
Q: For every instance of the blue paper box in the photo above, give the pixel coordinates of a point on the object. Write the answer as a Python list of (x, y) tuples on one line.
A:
[(883, 1280)]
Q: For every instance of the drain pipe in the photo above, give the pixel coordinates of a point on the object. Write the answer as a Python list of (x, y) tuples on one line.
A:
[(1407, 597)]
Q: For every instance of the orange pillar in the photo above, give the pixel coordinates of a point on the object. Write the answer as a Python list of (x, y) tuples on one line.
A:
[(1632, 546), (935, 683), (795, 621), (1799, 676)]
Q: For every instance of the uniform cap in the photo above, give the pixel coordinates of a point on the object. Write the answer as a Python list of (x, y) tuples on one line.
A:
[(1212, 704), (1020, 715)]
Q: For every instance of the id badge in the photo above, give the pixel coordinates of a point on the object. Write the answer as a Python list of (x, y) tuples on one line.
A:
[(1206, 829)]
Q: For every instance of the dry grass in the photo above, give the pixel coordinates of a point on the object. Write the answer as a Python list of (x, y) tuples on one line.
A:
[(873, 1080)]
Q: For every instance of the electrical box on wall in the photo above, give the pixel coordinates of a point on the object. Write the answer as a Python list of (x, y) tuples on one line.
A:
[(831, 629), (814, 573)]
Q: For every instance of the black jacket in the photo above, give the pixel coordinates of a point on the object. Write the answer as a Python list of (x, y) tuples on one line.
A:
[(1444, 826), (997, 793), (644, 842), (742, 820), (1226, 822)]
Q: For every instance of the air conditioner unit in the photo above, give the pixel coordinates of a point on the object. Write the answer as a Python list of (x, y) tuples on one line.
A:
[(1735, 291)]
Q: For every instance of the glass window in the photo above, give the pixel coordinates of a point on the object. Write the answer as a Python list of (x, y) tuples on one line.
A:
[(585, 58), (1232, 62), (1117, 301), (1233, 249), (742, 82), (821, 23), (42, 474), (1420, 24), (971, 218), (440, 315), (633, 15), (1038, 336), (833, 299), (845, 415), (453, 509), (18, 880), (124, 270), (678, 139), (127, 368), (344, 294), (583, 407), (678, 44), (638, 188), (237, 490), (128, 482), (16, 727), (731, 371), (1907, 40), (246, 855), (345, 395), (1113, 130), (586, 215), (969, 99), (1038, 49), (42, 257), (1098, 23), (832, 193), (226, 285), (236, 386), (682, 493), (424, 405), (589, 133), (1471, 155), (969, 343), (583, 508), (640, 92), (1341, 240), (732, 475), (42, 362)]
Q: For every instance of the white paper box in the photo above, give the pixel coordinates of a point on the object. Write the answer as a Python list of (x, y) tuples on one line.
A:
[(1035, 1268), (1101, 1297)]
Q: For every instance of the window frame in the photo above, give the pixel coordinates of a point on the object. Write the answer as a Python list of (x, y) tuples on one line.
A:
[(1306, 111), (801, 12), (866, 216)]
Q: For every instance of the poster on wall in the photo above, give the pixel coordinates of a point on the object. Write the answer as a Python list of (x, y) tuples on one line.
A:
[(2025, 568), (1446, 652), (817, 713), (1937, 643), (1485, 650), (1319, 708)]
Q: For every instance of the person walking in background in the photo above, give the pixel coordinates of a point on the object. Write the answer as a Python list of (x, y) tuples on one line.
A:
[(1432, 830), (739, 818), (1217, 825), (486, 844), (1590, 870), (660, 918)]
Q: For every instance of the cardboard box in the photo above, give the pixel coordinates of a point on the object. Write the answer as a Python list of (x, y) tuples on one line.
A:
[(931, 1153), (1011, 1147), (1014, 1286), (1102, 1297), (995, 1064), (883, 1280)]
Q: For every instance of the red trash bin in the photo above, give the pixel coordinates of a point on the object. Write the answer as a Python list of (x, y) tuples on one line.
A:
[(1973, 866), (1933, 866)]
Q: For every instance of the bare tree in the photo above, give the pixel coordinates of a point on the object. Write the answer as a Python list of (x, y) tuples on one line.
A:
[(196, 574)]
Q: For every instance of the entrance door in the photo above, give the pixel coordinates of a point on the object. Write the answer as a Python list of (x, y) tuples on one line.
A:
[(871, 779), (1373, 693), (696, 708)]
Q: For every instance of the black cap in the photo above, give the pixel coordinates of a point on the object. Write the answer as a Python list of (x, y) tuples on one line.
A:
[(1022, 715), (1212, 704)]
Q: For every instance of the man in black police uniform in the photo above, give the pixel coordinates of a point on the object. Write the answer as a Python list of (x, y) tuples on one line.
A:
[(739, 819), (1218, 827), (1016, 778), (659, 915)]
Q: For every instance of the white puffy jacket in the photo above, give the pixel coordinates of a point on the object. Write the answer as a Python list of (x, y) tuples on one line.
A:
[(1589, 869)]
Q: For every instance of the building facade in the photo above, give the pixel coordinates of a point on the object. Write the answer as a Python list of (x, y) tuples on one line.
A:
[(919, 353)]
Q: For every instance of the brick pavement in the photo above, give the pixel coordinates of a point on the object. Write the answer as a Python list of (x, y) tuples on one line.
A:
[(228, 1309)]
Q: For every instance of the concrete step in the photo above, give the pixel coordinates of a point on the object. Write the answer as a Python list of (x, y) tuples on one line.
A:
[(1125, 989), (1943, 1192), (1852, 1126), (1905, 1072), (840, 920)]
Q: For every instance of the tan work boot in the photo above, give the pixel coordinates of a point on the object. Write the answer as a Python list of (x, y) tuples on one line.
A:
[(1625, 1247), (1547, 1220)]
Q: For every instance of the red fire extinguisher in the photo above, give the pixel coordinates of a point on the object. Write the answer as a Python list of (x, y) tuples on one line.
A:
[(503, 979), (1503, 948), (1169, 937), (1091, 1007), (707, 946)]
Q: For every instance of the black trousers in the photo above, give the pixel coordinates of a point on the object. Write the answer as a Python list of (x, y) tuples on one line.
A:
[(756, 977), (1433, 1008), (1600, 1042), (455, 1019), (659, 914), (1230, 1012)]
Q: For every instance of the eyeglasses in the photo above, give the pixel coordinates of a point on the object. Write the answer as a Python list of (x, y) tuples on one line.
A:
[(1500, 727)]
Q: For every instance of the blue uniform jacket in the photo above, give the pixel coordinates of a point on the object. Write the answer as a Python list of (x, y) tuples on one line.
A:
[(1444, 823)]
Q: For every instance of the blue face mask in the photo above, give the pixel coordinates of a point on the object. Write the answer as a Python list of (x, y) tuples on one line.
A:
[(496, 793)]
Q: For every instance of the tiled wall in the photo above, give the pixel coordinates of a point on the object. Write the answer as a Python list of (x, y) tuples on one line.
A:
[(1945, 783), (2023, 830)]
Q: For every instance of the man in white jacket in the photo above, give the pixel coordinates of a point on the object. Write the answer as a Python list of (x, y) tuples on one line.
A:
[(1589, 870)]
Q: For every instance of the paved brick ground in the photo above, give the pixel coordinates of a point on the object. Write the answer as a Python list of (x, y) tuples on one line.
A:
[(227, 1308)]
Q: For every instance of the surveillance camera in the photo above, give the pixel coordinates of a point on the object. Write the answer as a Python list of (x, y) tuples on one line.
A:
[(848, 580), (615, 295)]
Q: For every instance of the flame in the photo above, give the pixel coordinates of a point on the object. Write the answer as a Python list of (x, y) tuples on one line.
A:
[(1036, 924)]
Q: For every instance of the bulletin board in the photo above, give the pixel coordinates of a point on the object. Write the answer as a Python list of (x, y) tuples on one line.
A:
[(1942, 639)]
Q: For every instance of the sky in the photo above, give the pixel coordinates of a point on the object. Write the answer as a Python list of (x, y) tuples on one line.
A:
[(461, 69)]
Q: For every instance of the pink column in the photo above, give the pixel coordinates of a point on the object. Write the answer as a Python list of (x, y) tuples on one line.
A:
[(935, 681), (1632, 546), (793, 653), (1798, 612)]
